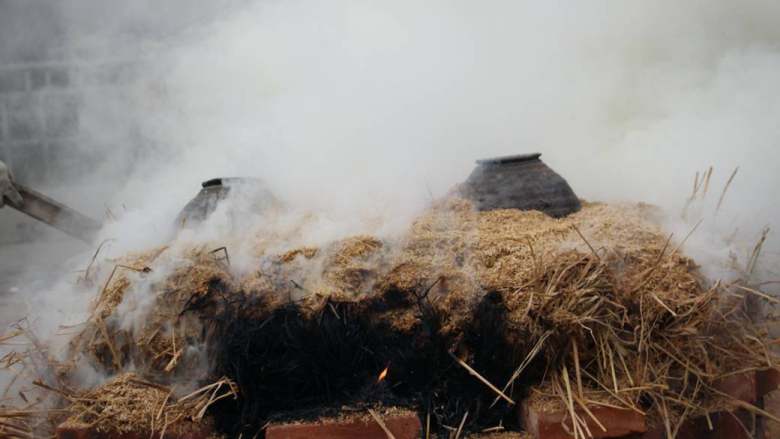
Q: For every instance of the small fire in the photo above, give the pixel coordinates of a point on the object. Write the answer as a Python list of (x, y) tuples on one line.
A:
[(382, 375)]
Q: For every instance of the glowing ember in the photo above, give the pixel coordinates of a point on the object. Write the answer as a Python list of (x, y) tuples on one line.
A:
[(382, 375)]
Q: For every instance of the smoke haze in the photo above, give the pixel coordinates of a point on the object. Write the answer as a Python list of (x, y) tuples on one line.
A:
[(359, 106)]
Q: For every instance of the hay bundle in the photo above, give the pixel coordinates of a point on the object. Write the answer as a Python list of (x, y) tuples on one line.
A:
[(130, 404), (644, 337), (605, 309), (157, 339)]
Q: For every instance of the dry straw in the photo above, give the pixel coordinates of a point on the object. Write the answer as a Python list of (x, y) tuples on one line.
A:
[(615, 318)]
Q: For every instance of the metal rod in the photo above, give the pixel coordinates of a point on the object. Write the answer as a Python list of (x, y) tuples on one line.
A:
[(55, 214)]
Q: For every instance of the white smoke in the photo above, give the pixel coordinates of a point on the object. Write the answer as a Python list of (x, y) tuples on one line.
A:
[(359, 107)]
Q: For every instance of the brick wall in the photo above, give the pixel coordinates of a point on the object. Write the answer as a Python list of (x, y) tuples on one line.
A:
[(38, 113), (40, 104)]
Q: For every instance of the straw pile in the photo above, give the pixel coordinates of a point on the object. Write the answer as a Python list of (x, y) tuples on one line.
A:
[(129, 404), (600, 307), (163, 338), (616, 314), (602, 304)]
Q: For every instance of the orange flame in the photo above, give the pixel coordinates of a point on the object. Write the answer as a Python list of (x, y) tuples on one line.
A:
[(382, 375)]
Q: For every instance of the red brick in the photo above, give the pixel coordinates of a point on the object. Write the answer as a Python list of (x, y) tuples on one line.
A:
[(732, 426), (549, 425), (767, 381), (725, 425), (742, 386), (70, 430), (772, 405), (403, 426)]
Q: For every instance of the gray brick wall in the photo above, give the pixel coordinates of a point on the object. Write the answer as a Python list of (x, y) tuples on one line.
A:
[(34, 114), (40, 106)]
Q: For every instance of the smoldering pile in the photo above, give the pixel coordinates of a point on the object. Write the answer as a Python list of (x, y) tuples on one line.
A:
[(466, 315)]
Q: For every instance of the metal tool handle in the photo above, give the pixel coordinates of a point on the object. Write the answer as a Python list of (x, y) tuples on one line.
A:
[(55, 214)]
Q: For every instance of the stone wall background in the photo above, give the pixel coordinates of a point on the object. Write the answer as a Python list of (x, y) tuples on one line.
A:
[(40, 104)]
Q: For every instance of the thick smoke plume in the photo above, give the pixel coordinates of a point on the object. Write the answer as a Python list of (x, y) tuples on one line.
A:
[(357, 107)]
